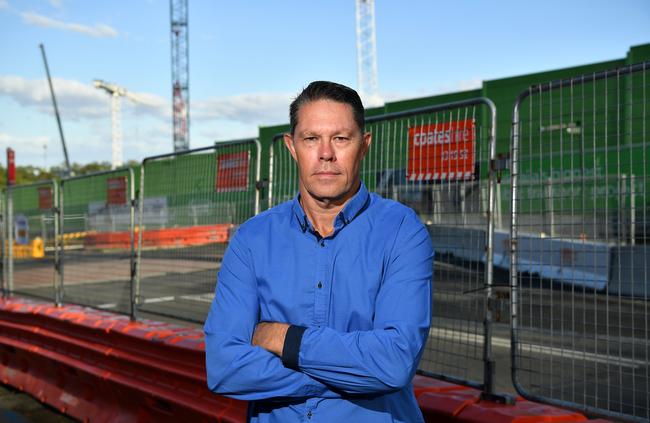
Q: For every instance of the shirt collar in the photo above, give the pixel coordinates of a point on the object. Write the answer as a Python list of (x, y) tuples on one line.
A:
[(351, 210)]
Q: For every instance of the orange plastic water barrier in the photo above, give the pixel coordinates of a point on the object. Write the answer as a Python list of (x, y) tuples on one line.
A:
[(99, 366), (162, 238), (445, 402)]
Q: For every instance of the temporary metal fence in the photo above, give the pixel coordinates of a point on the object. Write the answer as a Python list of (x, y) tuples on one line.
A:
[(578, 244), (189, 205), (32, 224), (97, 237), (437, 161), (580, 260)]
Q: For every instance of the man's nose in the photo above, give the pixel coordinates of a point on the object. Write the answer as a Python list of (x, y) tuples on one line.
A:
[(326, 152)]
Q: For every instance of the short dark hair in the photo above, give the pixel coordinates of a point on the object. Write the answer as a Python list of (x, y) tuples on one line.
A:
[(326, 90)]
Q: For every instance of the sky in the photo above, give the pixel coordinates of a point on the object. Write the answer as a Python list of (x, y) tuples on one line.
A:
[(249, 58)]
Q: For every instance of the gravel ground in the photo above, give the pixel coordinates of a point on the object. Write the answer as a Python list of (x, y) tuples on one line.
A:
[(18, 407)]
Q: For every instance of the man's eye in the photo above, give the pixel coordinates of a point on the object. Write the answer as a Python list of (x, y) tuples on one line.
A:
[(341, 139), (310, 138)]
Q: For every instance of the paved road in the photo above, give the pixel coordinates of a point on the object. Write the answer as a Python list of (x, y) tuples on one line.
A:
[(580, 347)]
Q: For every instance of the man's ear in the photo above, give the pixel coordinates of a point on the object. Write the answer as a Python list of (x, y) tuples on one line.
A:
[(367, 140), (288, 142)]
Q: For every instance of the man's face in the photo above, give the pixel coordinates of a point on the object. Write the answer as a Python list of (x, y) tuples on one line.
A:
[(328, 147)]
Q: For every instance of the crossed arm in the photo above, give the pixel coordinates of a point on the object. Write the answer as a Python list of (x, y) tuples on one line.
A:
[(270, 336), (244, 357)]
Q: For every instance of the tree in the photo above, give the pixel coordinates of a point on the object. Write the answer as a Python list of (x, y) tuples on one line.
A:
[(30, 174)]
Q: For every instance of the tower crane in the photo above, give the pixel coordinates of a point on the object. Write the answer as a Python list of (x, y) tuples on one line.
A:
[(180, 75), (116, 92), (367, 53)]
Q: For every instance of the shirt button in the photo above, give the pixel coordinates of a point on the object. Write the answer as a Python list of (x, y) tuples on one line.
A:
[(320, 284), (309, 414), (322, 243)]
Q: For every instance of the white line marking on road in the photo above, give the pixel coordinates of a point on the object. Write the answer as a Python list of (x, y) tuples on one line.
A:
[(107, 305), (204, 298), (159, 300), (536, 348)]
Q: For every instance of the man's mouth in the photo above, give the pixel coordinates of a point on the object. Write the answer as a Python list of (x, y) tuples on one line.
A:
[(326, 173)]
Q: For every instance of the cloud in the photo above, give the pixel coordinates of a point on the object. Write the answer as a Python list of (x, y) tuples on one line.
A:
[(76, 100), (28, 145), (251, 108), (4, 4), (97, 30), (462, 85), (146, 125), (56, 3), (29, 149)]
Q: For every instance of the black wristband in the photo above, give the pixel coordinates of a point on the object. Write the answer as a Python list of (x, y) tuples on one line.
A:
[(291, 348)]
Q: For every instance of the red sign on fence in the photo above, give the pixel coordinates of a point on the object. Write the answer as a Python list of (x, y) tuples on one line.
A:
[(232, 172), (116, 191), (11, 167), (441, 151), (45, 198)]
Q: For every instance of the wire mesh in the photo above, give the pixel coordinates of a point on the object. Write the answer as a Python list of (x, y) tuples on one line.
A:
[(580, 228), (33, 224), (436, 161), (97, 237), (190, 204)]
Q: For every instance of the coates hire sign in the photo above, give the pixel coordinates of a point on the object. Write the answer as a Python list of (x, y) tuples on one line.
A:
[(232, 172), (441, 151)]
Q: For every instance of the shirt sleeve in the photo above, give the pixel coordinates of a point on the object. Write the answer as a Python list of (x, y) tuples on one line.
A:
[(235, 368), (385, 358)]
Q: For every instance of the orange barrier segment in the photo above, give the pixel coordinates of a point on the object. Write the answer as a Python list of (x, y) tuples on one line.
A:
[(423, 384), (99, 366), (523, 411), (167, 237), (445, 406)]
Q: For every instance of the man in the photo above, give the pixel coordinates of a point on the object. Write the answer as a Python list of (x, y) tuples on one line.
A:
[(323, 303)]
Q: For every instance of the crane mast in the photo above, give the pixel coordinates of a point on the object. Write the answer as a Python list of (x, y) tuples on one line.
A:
[(180, 75), (116, 92), (367, 53)]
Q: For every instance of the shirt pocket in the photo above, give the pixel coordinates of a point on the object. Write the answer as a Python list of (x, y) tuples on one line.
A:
[(356, 281)]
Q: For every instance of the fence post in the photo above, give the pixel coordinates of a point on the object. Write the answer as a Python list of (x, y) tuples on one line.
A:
[(10, 241), (632, 212), (3, 241), (59, 243), (133, 258), (258, 169), (135, 283), (488, 360)]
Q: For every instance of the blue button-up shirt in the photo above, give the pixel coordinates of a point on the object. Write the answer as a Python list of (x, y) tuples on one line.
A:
[(361, 298)]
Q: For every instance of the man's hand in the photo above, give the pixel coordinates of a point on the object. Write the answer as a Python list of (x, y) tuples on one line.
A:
[(270, 336)]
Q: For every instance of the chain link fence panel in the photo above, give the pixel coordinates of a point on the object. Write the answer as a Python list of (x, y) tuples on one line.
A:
[(189, 205), (97, 238), (32, 245), (580, 262)]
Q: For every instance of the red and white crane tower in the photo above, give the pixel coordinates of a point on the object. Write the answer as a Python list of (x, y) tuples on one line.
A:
[(180, 75)]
